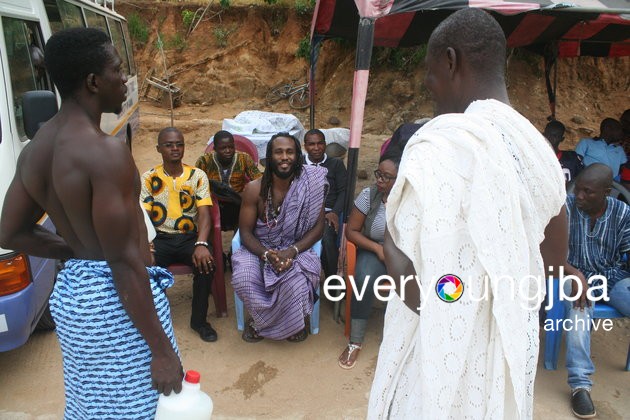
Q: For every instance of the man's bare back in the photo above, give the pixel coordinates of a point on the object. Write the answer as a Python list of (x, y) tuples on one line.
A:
[(88, 184), (73, 158)]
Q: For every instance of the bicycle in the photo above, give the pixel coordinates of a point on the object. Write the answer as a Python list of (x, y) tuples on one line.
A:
[(298, 94)]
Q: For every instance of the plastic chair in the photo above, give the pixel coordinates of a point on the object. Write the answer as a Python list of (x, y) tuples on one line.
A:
[(351, 261), (240, 308), (554, 337), (242, 144), (218, 284)]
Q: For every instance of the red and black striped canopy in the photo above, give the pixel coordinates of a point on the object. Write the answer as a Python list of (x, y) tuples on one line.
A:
[(598, 28)]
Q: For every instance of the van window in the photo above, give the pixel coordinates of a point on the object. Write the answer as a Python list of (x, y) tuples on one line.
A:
[(62, 14), (26, 63), (119, 42), (94, 20), (132, 63)]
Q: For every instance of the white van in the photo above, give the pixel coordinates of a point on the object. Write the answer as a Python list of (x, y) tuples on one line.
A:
[(25, 281)]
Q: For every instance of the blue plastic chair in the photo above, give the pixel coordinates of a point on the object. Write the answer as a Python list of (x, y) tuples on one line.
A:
[(556, 313), (238, 303)]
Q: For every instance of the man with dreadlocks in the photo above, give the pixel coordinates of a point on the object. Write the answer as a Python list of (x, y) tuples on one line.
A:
[(275, 272)]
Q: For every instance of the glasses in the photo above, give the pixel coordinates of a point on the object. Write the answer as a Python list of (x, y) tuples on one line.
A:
[(172, 145), (380, 176)]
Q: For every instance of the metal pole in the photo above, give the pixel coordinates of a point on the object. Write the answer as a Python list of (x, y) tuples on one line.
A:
[(168, 81)]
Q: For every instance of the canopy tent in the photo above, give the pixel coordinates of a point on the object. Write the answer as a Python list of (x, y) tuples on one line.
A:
[(554, 29), (580, 27)]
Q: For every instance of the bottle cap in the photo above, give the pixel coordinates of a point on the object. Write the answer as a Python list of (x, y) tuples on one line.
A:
[(192, 377)]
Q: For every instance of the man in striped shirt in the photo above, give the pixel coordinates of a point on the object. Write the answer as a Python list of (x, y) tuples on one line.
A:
[(599, 238)]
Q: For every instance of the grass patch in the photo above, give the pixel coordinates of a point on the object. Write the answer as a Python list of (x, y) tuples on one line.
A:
[(138, 29), (222, 35), (304, 49), (304, 7), (187, 17), (400, 58), (175, 42)]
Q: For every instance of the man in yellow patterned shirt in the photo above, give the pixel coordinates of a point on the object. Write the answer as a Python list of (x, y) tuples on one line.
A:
[(177, 198)]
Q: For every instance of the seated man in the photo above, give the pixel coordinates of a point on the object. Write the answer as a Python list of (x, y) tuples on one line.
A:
[(276, 273), (315, 146), (606, 148), (570, 161), (599, 236), (228, 171), (177, 198)]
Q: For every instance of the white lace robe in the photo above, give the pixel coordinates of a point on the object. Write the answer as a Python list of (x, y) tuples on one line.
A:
[(474, 194)]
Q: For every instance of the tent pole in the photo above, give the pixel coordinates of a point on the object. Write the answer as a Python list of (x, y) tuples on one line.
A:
[(365, 40), (316, 43), (551, 61), (363, 56)]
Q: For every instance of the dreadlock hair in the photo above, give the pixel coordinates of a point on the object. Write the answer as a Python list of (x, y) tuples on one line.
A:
[(267, 178)]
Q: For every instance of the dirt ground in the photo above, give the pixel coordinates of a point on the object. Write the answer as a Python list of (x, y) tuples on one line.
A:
[(280, 379), (273, 380)]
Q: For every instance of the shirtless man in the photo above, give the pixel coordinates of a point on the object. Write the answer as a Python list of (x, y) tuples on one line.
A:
[(112, 315)]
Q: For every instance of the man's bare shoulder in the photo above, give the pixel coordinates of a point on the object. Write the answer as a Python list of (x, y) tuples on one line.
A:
[(101, 154), (253, 187), (252, 190)]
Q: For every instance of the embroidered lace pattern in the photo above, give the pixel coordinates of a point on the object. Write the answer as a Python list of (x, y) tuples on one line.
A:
[(474, 194)]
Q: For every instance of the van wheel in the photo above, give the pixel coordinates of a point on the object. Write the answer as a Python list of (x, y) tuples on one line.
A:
[(46, 322)]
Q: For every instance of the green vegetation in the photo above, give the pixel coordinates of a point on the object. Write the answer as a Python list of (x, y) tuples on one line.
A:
[(401, 58), (224, 4), (138, 29), (304, 49), (176, 42), (304, 7), (271, 1), (187, 17), (221, 35)]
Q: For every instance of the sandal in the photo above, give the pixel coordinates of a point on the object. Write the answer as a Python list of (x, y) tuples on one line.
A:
[(348, 358), (249, 333), (301, 336)]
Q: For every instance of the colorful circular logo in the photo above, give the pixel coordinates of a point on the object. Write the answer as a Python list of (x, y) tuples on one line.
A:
[(449, 288)]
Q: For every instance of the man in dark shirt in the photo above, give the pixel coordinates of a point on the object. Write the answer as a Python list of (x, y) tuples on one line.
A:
[(570, 161), (315, 147)]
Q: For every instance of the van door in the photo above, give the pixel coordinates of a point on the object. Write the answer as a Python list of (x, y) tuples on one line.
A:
[(25, 61), (7, 153)]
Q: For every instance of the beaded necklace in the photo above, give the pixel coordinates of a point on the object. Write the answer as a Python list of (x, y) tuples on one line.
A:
[(271, 212)]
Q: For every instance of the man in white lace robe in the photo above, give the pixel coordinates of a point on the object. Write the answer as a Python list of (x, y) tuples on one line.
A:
[(478, 190)]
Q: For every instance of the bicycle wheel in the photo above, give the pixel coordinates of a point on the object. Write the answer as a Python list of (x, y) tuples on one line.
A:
[(300, 99), (278, 92)]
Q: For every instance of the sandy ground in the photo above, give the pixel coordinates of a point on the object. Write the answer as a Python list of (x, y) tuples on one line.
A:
[(280, 379)]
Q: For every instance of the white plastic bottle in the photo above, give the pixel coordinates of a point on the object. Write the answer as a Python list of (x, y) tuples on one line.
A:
[(190, 404)]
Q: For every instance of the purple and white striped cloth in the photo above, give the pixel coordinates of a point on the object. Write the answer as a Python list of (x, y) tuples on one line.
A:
[(278, 303)]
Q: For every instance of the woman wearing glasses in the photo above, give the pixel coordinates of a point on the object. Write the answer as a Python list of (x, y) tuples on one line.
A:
[(366, 229)]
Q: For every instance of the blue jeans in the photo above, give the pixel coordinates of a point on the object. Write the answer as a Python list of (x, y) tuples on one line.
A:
[(367, 264), (579, 364)]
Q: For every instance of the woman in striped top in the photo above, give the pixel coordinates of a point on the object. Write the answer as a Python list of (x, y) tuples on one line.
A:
[(366, 229)]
